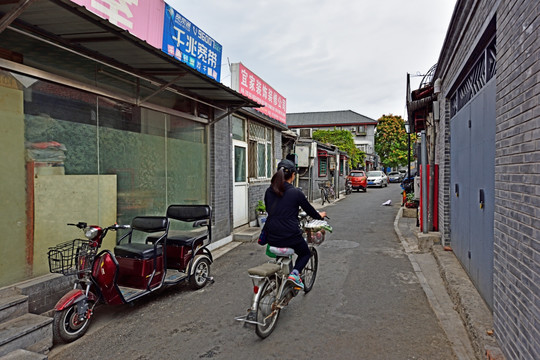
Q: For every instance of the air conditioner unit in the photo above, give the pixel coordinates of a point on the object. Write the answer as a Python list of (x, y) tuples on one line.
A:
[(306, 133)]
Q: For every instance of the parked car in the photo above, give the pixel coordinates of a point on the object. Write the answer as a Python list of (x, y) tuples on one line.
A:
[(377, 178), (358, 180), (395, 177)]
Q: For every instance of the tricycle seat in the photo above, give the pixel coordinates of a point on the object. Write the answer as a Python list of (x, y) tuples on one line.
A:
[(180, 237), (137, 251), (145, 224)]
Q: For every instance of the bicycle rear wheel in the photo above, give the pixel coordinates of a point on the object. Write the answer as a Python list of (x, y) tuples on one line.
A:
[(310, 271), (331, 197), (267, 312)]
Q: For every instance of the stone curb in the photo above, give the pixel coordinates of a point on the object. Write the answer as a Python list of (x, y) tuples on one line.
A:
[(474, 312)]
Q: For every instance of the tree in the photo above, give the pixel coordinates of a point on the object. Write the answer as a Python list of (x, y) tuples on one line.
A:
[(343, 139), (391, 141)]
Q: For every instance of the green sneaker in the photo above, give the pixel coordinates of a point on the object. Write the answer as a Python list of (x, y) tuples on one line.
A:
[(296, 280)]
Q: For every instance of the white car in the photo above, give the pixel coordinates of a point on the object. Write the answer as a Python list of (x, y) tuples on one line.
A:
[(377, 178)]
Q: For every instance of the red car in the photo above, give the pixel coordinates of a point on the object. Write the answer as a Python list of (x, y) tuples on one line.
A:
[(358, 180)]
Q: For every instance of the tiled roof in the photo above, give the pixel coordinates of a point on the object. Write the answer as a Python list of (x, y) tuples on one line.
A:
[(343, 117)]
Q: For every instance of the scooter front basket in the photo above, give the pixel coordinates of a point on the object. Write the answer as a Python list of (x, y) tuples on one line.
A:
[(71, 257), (316, 231)]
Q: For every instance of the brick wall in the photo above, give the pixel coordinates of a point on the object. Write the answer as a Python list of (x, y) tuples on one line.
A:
[(442, 157), (469, 23), (468, 26), (221, 178), (517, 181)]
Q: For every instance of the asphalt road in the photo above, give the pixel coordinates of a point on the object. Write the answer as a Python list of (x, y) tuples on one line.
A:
[(366, 303)]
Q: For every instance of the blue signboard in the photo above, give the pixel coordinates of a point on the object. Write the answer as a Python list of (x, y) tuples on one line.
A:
[(189, 44)]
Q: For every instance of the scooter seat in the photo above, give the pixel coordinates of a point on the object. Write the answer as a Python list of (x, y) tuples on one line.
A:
[(179, 237), (137, 251), (281, 251)]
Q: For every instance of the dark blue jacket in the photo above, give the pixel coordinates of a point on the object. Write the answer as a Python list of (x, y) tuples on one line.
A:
[(282, 222)]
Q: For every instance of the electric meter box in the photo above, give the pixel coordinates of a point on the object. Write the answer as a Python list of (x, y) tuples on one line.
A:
[(303, 156)]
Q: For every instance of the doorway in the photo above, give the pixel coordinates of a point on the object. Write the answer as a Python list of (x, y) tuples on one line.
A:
[(240, 184)]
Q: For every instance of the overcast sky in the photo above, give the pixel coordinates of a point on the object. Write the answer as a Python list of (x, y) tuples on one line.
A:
[(326, 55)]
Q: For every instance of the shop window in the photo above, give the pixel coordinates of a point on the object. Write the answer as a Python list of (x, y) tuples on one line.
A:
[(102, 136), (341, 166), (260, 151)]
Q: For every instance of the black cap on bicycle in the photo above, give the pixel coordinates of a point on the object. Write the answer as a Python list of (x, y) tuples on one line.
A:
[(287, 166)]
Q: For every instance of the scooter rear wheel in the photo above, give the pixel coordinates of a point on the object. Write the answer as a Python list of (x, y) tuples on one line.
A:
[(66, 324), (267, 312)]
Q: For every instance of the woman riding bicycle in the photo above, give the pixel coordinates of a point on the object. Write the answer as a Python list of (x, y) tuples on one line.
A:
[(282, 227)]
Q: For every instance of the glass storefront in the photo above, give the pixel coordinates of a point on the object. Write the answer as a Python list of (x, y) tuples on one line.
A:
[(75, 156)]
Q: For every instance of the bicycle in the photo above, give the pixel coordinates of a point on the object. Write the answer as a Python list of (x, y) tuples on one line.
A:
[(327, 192), (271, 288)]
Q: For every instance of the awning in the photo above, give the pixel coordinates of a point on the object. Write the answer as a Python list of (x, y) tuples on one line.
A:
[(419, 105), (72, 29)]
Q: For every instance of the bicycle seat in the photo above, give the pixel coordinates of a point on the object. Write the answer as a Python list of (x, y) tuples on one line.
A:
[(281, 251)]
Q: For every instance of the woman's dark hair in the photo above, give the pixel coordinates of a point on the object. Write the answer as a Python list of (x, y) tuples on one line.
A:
[(278, 181)]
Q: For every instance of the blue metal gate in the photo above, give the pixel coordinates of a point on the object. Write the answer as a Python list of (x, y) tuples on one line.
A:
[(472, 179)]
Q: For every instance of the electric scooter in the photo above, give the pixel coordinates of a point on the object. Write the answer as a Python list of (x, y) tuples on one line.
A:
[(134, 268)]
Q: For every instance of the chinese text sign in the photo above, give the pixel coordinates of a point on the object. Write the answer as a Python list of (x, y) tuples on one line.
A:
[(189, 44), (251, 86)]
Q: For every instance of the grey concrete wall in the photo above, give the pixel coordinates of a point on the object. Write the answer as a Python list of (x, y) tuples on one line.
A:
[(517, 181)]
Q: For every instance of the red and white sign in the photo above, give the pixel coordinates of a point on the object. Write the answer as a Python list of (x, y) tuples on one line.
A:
[(142, 18), (251, 86)]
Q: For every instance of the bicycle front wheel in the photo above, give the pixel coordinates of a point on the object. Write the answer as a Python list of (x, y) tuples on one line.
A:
[(267, 311), (323, 196), (310, 271)]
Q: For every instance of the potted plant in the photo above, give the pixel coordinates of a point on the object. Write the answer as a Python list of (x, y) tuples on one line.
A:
[(410, 202), (261, 213)]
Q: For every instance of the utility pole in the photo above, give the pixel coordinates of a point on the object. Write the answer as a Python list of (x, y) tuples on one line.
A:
[(424, 203)]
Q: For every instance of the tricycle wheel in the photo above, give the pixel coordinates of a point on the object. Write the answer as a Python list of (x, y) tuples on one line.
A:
[(67, 325), (200, 274)]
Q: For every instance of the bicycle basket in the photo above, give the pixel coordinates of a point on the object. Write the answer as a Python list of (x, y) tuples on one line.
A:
[(316, 231), (71, 257)]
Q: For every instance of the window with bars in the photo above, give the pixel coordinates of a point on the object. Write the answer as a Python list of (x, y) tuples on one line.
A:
[(323, 166), (478, 77), (260, 151)]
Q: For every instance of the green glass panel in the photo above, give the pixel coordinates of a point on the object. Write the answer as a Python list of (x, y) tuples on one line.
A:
[(54, 113), (261, 160), (238, 132), (137, 159), (239, 164), (268, 160)]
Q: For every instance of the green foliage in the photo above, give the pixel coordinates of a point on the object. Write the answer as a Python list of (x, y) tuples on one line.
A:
[(343, 139), (391, 141), (261, 208)]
